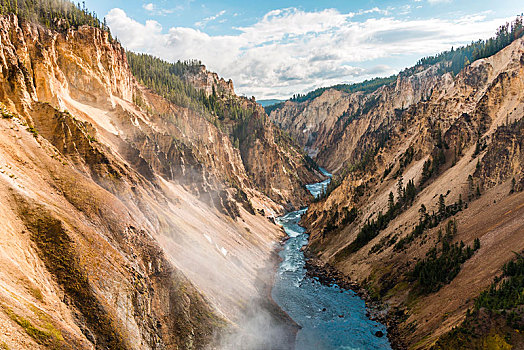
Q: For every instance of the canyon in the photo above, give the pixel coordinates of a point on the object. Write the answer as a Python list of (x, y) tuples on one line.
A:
[(145, 205), (431, 145), (126, 226)]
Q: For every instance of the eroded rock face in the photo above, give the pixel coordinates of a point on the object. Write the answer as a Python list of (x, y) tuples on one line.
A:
[(309, 122), (205, 80), (125, 227), (329, 125), (470, 126)]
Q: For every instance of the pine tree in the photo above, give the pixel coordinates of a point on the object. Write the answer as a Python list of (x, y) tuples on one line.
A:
[(441, 206), (462, 56), (400, 188), (476, 244), (422, 212), (391, 203), (56, 14)]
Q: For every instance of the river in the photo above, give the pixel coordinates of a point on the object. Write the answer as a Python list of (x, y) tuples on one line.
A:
[(330, 317)]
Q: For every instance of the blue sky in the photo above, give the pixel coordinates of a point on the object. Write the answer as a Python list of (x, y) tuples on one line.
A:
[(273, 49)]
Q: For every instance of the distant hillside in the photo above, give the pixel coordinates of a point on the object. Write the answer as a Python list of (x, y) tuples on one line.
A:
[(366, 86), (265, 103)]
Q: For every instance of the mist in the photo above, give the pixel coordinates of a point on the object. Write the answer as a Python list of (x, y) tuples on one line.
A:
[(231, 262), (258, 328)]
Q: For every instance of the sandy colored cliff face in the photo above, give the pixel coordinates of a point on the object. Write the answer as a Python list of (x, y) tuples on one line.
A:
[(122, 227), (330, 125), (484, 103), (205, 80)]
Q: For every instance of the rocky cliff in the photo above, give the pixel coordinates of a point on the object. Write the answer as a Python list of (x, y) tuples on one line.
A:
[(328, 126), (125, 226), (205, 80), (423, 169)]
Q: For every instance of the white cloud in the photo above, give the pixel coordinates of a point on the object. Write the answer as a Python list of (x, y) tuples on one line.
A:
[(149, 7), (155, 10), (203, 22), (290, 50)]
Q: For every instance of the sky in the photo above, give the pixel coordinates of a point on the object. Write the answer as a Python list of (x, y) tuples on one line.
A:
[(274, 49)]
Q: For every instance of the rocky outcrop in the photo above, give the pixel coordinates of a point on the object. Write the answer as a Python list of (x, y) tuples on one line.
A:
[(126, 227), (205, 80), (458, 138)]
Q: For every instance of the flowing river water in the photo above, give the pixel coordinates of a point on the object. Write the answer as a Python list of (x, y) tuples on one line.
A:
[(330, 317)]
